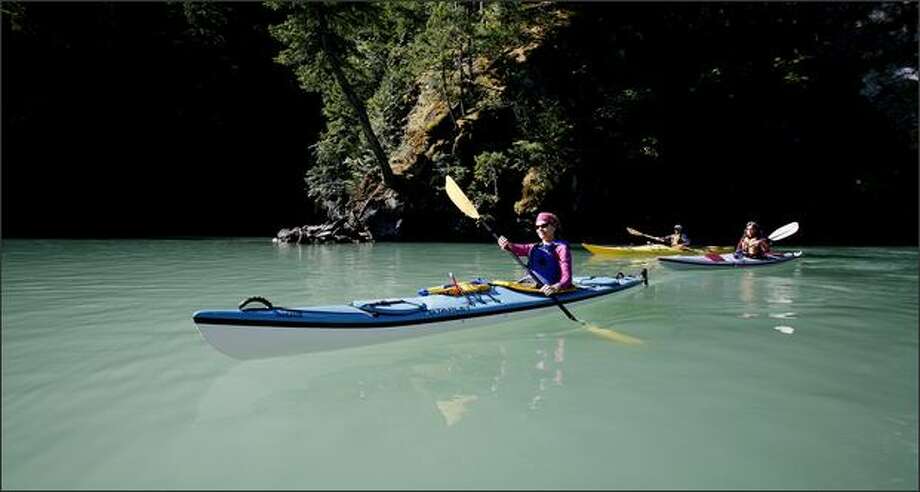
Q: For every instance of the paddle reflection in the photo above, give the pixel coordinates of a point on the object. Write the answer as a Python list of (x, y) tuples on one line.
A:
[(547, 372), (550, 372)]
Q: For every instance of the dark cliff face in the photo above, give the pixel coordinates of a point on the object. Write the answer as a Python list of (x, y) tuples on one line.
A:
[(694, 114)]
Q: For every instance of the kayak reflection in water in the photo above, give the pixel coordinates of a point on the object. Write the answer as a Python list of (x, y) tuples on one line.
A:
[(753, 244), (550, 260)]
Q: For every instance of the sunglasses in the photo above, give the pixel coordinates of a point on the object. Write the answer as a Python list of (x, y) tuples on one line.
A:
[(542, 226)]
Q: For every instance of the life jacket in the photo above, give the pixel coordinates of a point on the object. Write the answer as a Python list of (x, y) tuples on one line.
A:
[(543, 262), (754, 247)]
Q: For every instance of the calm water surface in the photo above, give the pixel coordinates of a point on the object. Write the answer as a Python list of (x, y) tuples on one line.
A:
[(800, 376)]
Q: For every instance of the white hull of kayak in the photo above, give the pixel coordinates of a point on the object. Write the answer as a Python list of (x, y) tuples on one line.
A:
[(726, 261)]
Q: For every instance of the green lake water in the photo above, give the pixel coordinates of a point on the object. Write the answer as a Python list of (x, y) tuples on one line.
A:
[(799, 376)]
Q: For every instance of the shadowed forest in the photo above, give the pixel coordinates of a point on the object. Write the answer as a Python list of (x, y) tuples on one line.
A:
[(238, 119)]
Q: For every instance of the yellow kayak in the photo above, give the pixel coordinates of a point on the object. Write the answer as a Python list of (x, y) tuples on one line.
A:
[(652, 250)]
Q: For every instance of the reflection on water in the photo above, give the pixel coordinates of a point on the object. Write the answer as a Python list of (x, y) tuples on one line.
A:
[(625, 264), (746, 287), (455, 408), (786, 330), (760, 293), (553, 368), (547, 372)]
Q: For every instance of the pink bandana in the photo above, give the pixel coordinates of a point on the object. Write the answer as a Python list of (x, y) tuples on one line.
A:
[(544, 217)]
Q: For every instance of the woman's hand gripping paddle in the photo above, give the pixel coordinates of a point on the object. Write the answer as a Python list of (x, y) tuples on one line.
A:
[(460, 200)]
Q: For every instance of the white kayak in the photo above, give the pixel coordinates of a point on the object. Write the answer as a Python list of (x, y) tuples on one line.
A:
[(727, 260)]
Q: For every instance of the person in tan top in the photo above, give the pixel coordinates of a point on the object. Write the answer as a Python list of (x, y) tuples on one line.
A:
[(677, 240), (753, 244)]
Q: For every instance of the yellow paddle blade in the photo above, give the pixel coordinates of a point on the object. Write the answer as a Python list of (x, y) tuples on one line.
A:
[(460, 200), (633, 232), (607, 334), (613, 335), (456, 408)]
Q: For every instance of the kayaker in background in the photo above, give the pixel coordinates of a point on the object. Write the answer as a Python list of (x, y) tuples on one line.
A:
[(676, 240), (550, 259), (753, 244)]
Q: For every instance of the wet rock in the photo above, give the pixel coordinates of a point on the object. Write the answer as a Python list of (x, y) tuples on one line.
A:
[(336, 231)]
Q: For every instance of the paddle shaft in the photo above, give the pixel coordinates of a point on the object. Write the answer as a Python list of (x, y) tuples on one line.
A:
[(639, 233), (532, 275)]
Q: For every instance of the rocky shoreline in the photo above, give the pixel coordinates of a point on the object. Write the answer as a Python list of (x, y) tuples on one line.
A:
[(337, 231)]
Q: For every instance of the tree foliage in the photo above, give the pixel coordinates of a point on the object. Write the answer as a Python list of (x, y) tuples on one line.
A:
[(581, 96), (332, 48), (386, 51)]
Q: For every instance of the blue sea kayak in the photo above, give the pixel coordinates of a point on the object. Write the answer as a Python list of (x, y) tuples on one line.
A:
[(727, 260), (259, 329)]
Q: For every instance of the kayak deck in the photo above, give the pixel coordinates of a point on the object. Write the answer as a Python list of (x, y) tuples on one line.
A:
[(651, 250)]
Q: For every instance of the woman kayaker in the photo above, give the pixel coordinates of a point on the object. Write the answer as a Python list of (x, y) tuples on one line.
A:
[(752, 243), (550, 259)]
